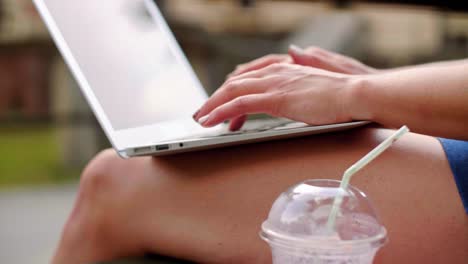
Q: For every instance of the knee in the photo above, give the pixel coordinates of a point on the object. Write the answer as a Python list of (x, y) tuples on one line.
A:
[(97, 194), (100, 187), (99, 175), (87, 229)]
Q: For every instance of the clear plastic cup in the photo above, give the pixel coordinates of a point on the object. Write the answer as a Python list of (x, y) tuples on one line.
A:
[(297, 232)]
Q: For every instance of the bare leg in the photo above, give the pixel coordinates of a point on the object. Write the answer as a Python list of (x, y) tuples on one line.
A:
[(208, 206)]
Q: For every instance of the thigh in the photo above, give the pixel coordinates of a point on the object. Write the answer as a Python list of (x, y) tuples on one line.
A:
[(208, 206)]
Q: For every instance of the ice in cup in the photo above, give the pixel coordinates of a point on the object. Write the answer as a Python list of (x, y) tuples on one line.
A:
[(297, 230)]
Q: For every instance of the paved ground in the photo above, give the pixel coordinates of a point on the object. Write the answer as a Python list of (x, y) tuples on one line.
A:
[(31, 221)]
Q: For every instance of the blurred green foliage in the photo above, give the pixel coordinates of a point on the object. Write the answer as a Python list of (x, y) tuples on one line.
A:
[(29, 154)]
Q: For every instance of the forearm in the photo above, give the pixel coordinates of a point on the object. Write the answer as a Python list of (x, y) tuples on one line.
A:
[(431, 100), (426, 65)]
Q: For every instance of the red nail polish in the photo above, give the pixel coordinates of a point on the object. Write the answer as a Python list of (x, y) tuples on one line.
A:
[(195, 115)]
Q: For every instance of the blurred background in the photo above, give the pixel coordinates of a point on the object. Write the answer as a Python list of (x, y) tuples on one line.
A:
[(48, 134)]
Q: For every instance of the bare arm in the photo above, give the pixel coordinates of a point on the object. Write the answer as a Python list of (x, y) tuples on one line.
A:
[(437, 64), (320, 87), (431, 99)]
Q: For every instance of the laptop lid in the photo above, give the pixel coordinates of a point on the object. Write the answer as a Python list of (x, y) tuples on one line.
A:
[(129, 67)]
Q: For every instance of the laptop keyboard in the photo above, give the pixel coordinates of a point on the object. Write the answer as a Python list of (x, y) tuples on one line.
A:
[(261, 125), (251, 126)]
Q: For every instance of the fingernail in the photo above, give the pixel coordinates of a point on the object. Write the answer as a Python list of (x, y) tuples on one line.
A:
[(296, 49), (235, 128), (203, 119), (195, 115)]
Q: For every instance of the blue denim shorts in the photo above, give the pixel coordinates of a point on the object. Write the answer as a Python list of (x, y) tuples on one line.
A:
[(457, 155)]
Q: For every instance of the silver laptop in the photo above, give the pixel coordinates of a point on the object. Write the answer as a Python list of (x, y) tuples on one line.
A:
[(138, 82)]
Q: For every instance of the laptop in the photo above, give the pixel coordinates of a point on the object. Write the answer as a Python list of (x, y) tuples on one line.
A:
[(139, 83)]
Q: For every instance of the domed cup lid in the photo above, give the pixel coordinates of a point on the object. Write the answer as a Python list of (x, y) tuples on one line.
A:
[(299, 216)]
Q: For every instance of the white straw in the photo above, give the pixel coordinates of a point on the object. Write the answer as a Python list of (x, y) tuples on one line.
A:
[(358, 166)]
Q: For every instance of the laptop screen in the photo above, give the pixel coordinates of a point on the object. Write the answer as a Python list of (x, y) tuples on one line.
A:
[(128, 61)]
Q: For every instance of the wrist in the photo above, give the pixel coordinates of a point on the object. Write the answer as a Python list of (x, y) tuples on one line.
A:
[(358, 98)]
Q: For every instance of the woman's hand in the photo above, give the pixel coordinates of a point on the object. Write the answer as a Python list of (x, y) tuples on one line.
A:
[(312, 57), (327, 60), (260, 63), (306, 94)]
